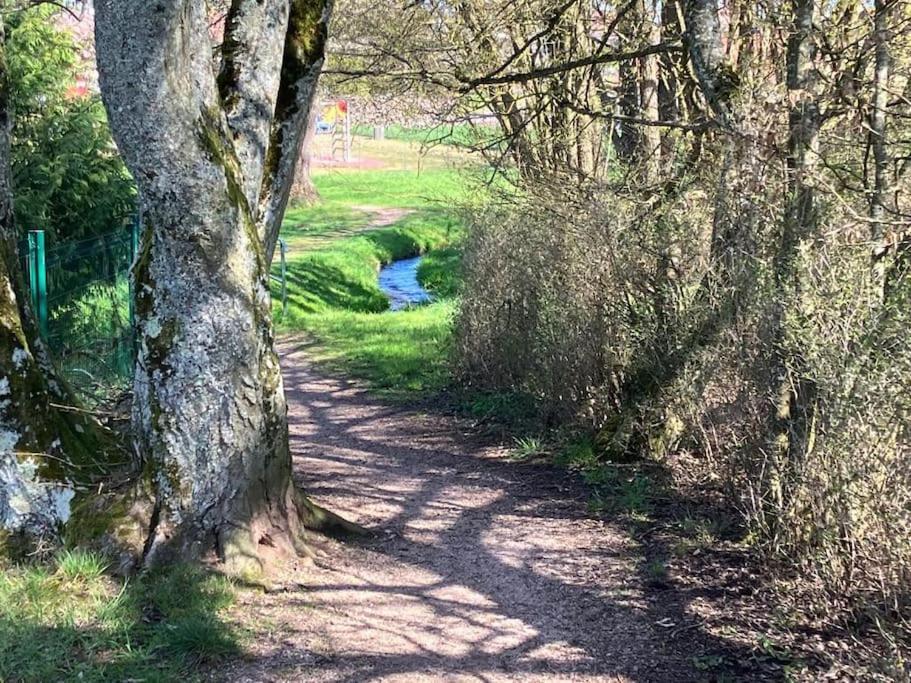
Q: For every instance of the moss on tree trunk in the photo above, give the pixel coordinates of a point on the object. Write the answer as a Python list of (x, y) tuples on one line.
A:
[(209, 414)]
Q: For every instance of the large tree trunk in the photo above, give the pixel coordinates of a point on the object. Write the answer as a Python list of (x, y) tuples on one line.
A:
[(209, 409), (48, 448)]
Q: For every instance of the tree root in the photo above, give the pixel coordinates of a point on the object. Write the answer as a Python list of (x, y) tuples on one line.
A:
[(326, 522)]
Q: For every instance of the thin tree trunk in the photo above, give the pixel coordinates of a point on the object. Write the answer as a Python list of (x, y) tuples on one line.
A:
[(47, 453), (803, 141), (651, 135), (706, 48), (880, 205), (668, 70), (304, 189), (304, 56), (793, 419)]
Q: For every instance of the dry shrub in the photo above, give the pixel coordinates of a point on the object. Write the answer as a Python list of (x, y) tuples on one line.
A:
[(617, 317), (564, 297)]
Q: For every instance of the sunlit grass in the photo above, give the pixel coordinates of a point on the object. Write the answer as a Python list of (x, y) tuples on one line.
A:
[(333, 293), (68, 620), (343, 275), (440, 272), (439, 188), (392, 153), (399, 354)]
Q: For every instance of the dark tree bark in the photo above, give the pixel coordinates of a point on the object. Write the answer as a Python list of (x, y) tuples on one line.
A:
[(213, 152), (49, 450), (304, 189)]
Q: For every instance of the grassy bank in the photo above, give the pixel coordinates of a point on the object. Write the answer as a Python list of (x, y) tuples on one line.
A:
[(343, 274), (334, 257), (440, 272)]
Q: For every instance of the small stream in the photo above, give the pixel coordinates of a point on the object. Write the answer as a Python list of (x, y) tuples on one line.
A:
[(399, 281)]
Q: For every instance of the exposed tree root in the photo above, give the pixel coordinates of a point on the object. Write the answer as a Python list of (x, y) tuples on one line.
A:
[(323, 521)]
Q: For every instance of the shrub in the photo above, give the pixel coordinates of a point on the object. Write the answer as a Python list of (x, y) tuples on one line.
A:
[(639, 326)]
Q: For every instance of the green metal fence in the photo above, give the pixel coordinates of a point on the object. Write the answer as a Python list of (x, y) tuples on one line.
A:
[(82, 297)]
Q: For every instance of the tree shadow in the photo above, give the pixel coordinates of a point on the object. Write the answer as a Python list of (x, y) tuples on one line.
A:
[(487, 568), (60, 625)]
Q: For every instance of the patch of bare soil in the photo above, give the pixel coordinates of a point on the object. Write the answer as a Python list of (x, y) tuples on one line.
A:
[(480, 569), (383, 216)]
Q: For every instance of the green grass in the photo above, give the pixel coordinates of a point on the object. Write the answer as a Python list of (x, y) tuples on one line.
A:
[(333, 292), (69, 621), (457, 135), (399, 189), (343, 274), (399, 354), (440, 272)]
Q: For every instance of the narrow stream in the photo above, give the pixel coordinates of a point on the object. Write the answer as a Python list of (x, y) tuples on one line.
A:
[(399, 281)]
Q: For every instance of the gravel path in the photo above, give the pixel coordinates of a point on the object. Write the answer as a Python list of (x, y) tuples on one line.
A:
[(481, 569)]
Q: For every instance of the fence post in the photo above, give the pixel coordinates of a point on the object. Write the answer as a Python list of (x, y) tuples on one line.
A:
[(284, 251), (134, 252), (37, 279)]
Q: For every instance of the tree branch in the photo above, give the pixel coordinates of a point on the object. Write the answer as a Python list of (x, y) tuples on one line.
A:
[(304, 51), (469, 84)]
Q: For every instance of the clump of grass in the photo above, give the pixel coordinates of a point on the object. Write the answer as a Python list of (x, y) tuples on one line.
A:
[(80, 565), (527, 448), (656, 573), (616, 489), (69, 621), (514, 410), (196, 639)]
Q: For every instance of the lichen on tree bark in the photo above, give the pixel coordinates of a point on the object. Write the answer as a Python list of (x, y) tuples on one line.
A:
[(49, 451), (209, 410)]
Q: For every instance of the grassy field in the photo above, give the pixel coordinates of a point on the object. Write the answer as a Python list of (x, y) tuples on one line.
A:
[(410, 154), (456, 135), (334, 258)]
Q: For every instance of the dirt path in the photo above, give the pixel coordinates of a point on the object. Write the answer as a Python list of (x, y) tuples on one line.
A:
[(482, 570), (378, 217)]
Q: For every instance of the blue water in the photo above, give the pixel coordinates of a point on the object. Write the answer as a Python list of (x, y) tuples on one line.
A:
[(399, 281)]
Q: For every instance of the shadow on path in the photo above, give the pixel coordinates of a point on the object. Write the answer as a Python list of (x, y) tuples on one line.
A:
[(481, 570)]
